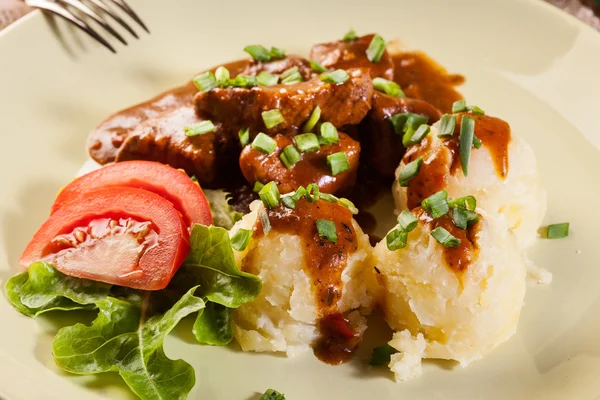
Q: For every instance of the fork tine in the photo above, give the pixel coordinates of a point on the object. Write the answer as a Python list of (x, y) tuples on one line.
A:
[(93, 15), (64, 13), (114, 16), (123, 6)]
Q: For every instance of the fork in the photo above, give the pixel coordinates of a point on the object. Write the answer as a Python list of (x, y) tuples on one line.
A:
[(68, 10)]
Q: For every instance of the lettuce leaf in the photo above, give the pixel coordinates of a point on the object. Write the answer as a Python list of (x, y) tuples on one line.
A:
[(224, 215), (213, 325)]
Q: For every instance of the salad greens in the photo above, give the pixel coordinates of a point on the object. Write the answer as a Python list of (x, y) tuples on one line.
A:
[(224, 215), (272, 394), (128, 333)]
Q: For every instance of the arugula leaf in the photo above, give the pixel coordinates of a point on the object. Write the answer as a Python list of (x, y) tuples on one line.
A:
[(213, 325), (42, 288), (272, 394), (122, 339), (224, 215)]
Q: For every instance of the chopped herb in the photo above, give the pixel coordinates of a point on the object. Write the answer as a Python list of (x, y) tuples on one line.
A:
[(277, 53), (328, 197), (290, 156), (317, 67), (307, 142), (222, 76), (244, 81), (272, 394), (467, 129), (258, 186), (558, 231), (335, 77), (205, 81), (239, 241), (244, 135), (388, 87), (460, 217), (264, 221), (436, 205), (269, 195), (459, 106), (444, 237), (299, 193), (411, 137), (266, 79), (329, 134), (199, 129), (467, 202), (338, 162), (326, 229), (312, 192), (396, 239), (476, 110), (382, 354), (350, 36), (294, 78), (312, 120), (447, 125), (264, 143), (258, 52), (407, 221), (289, 202), (288, 72), (272, 118), (376, 49), (349, 205), (476, 142), (410, 171)]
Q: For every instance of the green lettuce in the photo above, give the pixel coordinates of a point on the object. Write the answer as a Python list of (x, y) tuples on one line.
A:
[(224, 215)]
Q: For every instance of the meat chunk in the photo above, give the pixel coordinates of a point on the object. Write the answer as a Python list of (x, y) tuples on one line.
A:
[(353, 54), (163, 139), (382, 148), (277, 67), (342, 104), (313, 168)]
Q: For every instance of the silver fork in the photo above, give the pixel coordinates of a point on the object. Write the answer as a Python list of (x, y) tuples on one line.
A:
[(69, 9)]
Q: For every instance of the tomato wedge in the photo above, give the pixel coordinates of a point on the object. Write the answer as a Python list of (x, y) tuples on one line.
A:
[(166, 181), (123, 236)]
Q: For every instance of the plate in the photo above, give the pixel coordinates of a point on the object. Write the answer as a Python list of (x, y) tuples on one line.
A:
[(525, 61)]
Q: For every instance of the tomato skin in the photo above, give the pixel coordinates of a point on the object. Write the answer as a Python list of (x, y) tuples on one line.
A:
[(156, 265), (168, 182)]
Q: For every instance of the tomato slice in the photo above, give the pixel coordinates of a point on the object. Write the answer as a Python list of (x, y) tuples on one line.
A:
[(166, 181), (123, 236)]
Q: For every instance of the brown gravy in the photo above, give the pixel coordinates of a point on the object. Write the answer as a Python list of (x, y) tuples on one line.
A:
[(337, 341)]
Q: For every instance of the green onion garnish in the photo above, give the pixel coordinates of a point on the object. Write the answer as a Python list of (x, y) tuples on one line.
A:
[(396, 239), (288, 72), (407, 123), (272, 394), (459, 106), (266, 79), (222, 76), (388, 87), (258, 186), (244, 135), (467, 129), (277, 53), (436, 204), (289, 202), (312, 120), (338, 162), (407, 221), (205, 81), (410, 171), (199, 129), (329, 134), (411, 137), (258, 52), (326, 229), (444, 237), (312, 192), (244, 81), (265, 222), (382, 355), (239, 241), (289, 156), (349, 205), (269, 195), (447, 125), (558, 231), (468, 202), (293, 78), (376, 49), (264, 143), (350, 36), (460, 217), (299, 193), (307, 142), (335, 77), (328, 197), (476, 142), (476, 110), (317, 67), (272, 118)]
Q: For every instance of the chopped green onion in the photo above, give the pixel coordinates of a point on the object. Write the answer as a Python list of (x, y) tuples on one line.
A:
[(436, 204), (312, 192), (407, 221), (382, 355), (558, 231), (376, 49), (272, 118), (272, 394), (264, 143), (350, 36), (447, 125), (396, 239), (328, 197), (411, 138), (312, 120), (289, 156), (467, 129), (277, 53), (288, 72), (476, 110), (199, 129), (205, 81), (244, 135), (258, 52), (444, 237), (349, 205), (388, 87), (289, 202), (299, 193), (460, 217), (476, 142), (258, 186), (468, 202), (410, 171), (244, 81), (266, 79), (240, 240), (307, 142), (338, 162), (459, 106), (222, 76), (269, 195), (317, 67), (265, 222), (335, 77), (293, 78), (407, 123), (329, 134), (326, 229)]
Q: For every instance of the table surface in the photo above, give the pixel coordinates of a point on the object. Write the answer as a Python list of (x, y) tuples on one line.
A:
[(586, 10)]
